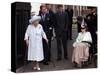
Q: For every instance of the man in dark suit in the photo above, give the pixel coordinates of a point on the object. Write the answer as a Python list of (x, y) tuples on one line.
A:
[(91, 20), (70, 17), (46, 22), (51, 27), (61, 29)]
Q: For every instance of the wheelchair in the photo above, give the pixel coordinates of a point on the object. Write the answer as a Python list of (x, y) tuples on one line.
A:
[(93, 54)]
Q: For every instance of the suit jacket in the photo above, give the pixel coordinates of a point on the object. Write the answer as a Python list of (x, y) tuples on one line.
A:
[(70, 15), (47, 25), (52, 19), (61, 23)]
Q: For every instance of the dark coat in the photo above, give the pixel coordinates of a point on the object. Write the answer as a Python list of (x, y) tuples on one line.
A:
[(70, 16), (91, 21), (47, 25), (61, 23)]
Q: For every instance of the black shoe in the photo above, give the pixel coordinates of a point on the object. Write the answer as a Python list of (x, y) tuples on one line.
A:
[(74, 64), (46, 63)]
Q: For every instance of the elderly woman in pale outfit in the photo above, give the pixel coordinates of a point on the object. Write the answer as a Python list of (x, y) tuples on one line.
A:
[(33, 38), (81, 47)]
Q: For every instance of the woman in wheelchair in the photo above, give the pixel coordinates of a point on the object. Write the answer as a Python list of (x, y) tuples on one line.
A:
[(81, 47)]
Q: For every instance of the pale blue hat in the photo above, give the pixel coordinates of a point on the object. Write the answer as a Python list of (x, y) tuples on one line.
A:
[(34, 18)]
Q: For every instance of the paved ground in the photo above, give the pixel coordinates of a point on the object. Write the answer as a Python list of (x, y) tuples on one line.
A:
[(56, 65)]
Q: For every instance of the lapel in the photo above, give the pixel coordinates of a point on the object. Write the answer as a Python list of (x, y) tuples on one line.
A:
[(43, 17)]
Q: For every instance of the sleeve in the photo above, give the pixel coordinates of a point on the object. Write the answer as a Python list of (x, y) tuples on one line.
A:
[(88, 38), (55, 21), (66, 21), (27, 33), (43, 33), (78, 38)]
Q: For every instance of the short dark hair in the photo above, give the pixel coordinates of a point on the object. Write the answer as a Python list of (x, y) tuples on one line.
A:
[(48, 4), (59, 6), (42, 6)]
